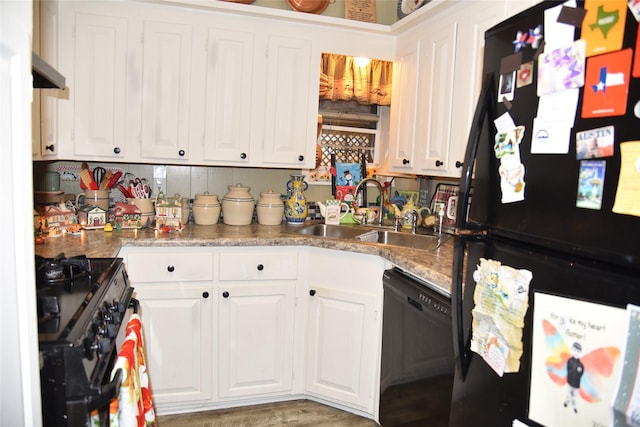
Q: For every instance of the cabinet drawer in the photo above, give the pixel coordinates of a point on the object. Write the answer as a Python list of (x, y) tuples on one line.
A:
[(170, 266), (258, 265)]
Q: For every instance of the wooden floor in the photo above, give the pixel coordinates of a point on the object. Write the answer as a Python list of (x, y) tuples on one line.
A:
[(419, 404), (424, 403), (295, 412)]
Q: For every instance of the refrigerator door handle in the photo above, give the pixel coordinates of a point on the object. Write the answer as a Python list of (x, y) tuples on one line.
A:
[(459, 346), (461, 352), (482, 108)]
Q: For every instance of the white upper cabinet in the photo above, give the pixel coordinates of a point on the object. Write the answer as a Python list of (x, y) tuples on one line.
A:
[(99, 101), (403, 106), (291, 103), (435, 94), (432, 109), (227, 96), (472, 24), (421, 110), (166, 89)]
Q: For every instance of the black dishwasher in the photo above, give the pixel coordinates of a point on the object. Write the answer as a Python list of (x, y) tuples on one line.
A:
[(417, 353)]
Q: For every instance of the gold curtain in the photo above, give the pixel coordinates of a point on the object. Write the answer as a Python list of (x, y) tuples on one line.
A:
[(342, 79)]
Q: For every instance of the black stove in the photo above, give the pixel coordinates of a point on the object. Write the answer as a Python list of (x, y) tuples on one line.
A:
[(82, 304)]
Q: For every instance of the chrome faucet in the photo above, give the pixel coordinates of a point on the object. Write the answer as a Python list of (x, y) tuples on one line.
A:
[(379, 186), (415, 216)]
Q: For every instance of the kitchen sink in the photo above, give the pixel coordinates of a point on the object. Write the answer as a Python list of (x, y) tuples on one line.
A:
[(374, 234), (333, 231), (417, 241)]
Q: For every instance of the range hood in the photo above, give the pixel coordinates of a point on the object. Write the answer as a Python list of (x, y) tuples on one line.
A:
[(44, 75)]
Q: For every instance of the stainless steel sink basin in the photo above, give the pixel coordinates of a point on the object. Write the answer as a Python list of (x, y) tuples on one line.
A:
[(375, 234), (407, 240), (333, 231)]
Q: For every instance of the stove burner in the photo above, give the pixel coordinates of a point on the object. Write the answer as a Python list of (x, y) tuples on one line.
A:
[(61, 270)]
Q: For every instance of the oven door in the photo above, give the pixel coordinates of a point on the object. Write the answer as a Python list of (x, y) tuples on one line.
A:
[(98, 405)]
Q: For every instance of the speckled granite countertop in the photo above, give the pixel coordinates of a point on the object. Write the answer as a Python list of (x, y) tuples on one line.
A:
[(433, 266)]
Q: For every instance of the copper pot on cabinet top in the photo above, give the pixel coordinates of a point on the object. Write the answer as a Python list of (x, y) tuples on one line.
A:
[(309, 6)]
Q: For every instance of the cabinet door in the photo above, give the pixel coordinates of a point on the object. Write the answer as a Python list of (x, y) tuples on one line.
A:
[(228, 96), (291, 104), (99, 90), (473, 21), (435, 96), (342, 337), (255, 327), (166, 85), (403, 108), (177, 321), (54, 39)]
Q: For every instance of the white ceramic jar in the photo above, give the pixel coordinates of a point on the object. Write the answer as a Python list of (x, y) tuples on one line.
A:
[(237, 205), (270, 208), (206, 209)]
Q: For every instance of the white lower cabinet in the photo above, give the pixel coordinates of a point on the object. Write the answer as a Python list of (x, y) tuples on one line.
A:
[(344, 327), (177, 322), (341, 342), (230, 326), (256, 306), (175, 290), (255, 339)]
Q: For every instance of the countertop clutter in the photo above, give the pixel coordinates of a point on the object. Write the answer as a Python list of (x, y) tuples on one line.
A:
[(433, 266)]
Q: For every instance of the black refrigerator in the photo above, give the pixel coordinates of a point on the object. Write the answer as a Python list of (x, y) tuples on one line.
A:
[(553, 159)]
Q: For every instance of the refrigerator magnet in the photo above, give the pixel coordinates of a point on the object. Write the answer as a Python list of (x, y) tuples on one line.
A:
[(507, 86), (607, 85), (595, 143), (603, 26), (590, 184), (525, 75), (511, 169), (561, 69)]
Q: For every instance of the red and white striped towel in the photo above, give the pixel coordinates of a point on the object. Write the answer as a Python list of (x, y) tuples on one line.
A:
[(134, 405)]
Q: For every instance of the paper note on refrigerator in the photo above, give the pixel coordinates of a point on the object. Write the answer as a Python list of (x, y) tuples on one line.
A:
[(501, 299), (628, 193), (557, 34), (575, 361)]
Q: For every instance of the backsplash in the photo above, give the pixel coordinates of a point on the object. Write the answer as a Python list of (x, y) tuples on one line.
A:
[(191, 180)]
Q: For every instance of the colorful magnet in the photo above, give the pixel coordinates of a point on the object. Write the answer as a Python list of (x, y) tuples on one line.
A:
[(531, 38), (525, 75), (511, 169), (595, 143), (607, 85), (561, 69), (603, 26), (590, 184)]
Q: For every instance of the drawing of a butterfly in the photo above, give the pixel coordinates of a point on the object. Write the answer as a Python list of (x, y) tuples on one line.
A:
[(598, 363)]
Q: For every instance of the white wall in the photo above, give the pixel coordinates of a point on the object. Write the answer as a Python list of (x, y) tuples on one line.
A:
[(19, 372)]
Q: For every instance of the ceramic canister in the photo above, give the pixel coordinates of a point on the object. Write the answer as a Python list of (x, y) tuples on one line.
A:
[(206, 209), (270, 208), (94, 197), (237, 205)]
